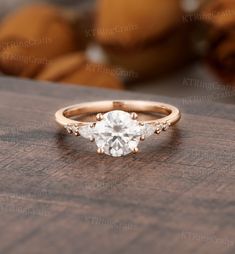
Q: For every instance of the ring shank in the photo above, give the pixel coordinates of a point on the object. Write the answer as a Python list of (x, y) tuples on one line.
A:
[(64, 115)]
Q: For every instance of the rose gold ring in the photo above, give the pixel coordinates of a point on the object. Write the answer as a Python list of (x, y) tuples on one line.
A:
[(120, 125)]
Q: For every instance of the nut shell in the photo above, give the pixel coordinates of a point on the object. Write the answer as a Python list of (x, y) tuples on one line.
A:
[(135, 22), (76, 69), (31, 37)]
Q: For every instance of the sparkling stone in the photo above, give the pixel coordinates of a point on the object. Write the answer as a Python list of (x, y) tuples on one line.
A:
[(75, 130), (148, 130), (159, 128), (117, 134), (72, 129), (69, 129), (165, 126), (86, 131)]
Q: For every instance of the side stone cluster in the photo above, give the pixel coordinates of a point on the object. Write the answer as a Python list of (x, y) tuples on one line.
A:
[(86, 131)]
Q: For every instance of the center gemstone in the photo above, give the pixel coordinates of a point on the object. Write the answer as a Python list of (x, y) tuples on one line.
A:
[(117, 134)]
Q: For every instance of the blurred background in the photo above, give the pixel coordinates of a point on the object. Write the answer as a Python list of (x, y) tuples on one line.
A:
[(177, 48)]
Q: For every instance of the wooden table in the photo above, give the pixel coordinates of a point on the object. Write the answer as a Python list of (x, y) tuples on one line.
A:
[(58, 196)]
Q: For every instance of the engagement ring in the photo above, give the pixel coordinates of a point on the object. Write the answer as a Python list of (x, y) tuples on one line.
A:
[(119, 125)]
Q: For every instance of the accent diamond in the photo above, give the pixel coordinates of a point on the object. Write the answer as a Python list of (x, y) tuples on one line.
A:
[(68, 128), (72, 129), (148, 130), (86, 131), (166, 126)]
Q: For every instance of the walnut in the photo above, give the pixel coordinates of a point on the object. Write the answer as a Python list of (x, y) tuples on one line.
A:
[(31, 37), (142, 36), (76, 69), (218, 16)]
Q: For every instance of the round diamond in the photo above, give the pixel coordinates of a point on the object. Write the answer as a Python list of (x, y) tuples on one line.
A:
[(117, 133)]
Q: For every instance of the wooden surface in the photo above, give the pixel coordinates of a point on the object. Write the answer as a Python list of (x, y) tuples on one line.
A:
[(58, 196)]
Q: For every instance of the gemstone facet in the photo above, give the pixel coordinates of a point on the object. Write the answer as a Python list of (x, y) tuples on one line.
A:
[(86, 131), (117, 134)]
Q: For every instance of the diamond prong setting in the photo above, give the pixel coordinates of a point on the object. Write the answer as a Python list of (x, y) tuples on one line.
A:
[(99, 116), (142, 138), (100, 151), (134, 115), (69, 130), (135, 150), (117, 133)]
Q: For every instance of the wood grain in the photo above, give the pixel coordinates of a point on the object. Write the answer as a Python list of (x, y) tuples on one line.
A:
[(58, 196)]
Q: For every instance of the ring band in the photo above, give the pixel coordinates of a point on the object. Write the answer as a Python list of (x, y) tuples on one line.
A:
[(118, 128)]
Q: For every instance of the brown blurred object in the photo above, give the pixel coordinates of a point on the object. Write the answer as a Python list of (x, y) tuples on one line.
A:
[(31, 37), (148, 37), (82, 21), (219, 18), (76, 69)]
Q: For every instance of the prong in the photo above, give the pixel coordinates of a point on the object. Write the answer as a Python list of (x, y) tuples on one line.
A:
[(134, 116), (92, 125), (99, 117), (100, 151), (77, 134), (92, 139), (69, 131), (165, 126), (135, 150), (142, 138), (68, 128), (158, 131)]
